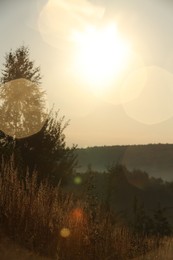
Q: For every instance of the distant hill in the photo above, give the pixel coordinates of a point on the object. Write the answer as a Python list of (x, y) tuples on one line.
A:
[(155, 159)]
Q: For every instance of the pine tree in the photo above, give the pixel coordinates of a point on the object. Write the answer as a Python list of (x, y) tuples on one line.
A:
[(161, 224), (142, 222), (18, 65), (22, 109), (41, 149)]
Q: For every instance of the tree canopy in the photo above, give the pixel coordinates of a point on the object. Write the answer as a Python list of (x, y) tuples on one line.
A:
[(22, 109), (22, 106), (18, 65), (37, 139)]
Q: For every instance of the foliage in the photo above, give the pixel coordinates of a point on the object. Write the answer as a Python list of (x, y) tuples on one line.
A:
[(47, 153), (35, 216), (37, 140), (156, 224), (22, 102), (161, 225), (143, 224), (155, 159), (18, 65), (22, 108), (116, 178)]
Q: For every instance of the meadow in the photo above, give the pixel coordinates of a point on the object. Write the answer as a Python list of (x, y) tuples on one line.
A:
[(57, 224)]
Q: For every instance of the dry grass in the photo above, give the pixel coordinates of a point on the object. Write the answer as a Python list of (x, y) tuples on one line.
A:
[(10, 250), (164, 252), (55, 224)]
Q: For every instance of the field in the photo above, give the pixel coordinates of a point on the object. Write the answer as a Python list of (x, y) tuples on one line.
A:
[(58, 225)]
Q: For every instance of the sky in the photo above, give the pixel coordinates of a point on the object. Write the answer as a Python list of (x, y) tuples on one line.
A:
[(106, 64)]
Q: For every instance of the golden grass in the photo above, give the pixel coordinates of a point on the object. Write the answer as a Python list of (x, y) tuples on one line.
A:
[(163, 252), (53, 223)]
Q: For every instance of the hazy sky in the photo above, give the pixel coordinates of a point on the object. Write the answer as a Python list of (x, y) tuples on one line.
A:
[(106, 64)]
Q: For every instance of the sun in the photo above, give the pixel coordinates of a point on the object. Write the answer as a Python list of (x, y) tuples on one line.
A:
[(101, 55)]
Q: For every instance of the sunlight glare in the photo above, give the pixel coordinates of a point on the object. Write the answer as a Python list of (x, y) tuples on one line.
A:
[(59, 18), (101, 55), (153, 102)]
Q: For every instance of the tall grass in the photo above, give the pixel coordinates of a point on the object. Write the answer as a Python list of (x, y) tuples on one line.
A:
[(53, 223)]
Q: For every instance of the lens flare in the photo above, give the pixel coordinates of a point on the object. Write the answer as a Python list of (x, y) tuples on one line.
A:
[(101, 55), (77, 215), (153, 102), (77, 180), (59, 18), (65, 232), (23, 108)]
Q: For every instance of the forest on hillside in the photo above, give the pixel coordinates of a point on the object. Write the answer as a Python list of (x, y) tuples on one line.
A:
[(155, 159)]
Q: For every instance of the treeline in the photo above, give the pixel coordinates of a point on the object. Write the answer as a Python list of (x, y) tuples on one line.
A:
[(155, 159), (118, 188)]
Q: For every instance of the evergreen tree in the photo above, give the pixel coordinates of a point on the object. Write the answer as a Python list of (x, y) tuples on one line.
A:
[(22, 102), (142, 223), (47, 153), (162, 226), (45, 150), (116, 179), (18, 65), (22, 109), (157, 224)]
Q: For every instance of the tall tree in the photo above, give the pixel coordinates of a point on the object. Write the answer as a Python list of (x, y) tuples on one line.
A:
[(18, 65), (22, 108)]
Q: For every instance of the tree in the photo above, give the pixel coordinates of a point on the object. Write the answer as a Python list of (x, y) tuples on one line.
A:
[(116, 179), (162, 226), (18, 65), (142, 223), (22, 108), (47, 153)]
